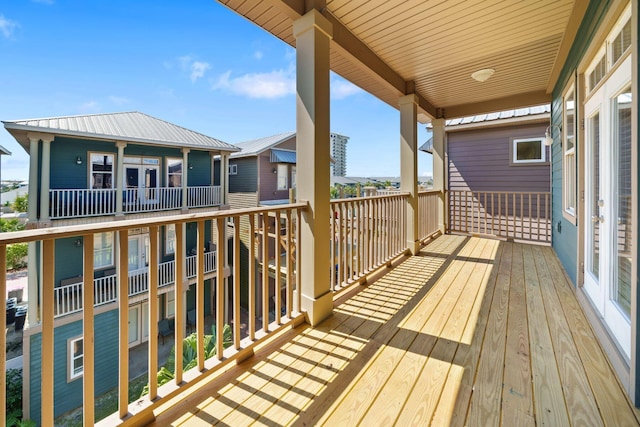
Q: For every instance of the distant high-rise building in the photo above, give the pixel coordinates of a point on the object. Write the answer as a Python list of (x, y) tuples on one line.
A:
[(339, 154)]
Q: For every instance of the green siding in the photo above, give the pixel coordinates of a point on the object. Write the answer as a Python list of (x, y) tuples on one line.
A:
[(200, 174), (246, 181), (565, 234), (69, 259), (68, 395)]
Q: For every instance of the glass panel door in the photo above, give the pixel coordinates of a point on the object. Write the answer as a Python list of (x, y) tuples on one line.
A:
[(621, 287)]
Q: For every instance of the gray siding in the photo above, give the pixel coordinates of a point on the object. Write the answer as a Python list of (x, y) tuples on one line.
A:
[(479, 160), (246, 181), (68, 395)]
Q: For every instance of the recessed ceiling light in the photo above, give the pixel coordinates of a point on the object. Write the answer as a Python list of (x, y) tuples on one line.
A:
[(483, 75)]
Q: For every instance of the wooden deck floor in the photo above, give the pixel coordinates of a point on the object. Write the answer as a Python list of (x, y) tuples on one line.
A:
[(471, 332)]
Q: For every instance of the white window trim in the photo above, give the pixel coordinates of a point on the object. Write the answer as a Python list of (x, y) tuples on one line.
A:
[(233, 169), (569, 212), (113, 245), (168, 175), (514, 151), (90, 166), (71, 375)]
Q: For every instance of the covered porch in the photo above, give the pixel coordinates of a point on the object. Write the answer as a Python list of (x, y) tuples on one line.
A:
[(471, 331)]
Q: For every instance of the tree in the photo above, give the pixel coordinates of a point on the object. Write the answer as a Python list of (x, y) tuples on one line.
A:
[(190, 354), (21, 203)]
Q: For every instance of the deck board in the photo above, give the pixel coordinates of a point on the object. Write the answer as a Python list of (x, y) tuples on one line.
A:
[(470, 332)]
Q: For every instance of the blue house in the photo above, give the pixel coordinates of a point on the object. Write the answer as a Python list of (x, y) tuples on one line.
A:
[(111, 167)]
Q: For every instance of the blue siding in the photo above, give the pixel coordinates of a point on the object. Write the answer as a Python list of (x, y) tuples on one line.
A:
[(565, 234), (68, 395)]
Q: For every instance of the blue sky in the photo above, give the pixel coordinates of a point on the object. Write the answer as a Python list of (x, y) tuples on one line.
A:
[(193, 63)]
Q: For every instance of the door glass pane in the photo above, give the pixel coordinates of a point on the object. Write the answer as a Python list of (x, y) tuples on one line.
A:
[(621, 288), (594, 230), (145, 321), (132, 177), (133, 324)]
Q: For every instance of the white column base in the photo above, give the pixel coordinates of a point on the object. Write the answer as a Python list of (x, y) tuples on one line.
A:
[(317, 309), (414, 246)]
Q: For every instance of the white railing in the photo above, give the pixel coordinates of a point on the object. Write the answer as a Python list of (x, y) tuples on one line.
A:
[(81, 202), (199, 197), (152, 199), (69, 297), (73, 203), (512, 215), (367, 232)]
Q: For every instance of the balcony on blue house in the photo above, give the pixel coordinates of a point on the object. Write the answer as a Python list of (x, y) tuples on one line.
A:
[(111, 165)]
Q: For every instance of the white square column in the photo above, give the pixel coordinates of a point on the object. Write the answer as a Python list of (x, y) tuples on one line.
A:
[(409, 166), (313, 34), (439, 171)]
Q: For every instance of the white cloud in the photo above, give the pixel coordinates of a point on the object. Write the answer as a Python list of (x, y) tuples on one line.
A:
[(274, 84), (89, 107), (118, 100), (198, 68), (7, 27), (341, 88), (189, 64), (258, 54)]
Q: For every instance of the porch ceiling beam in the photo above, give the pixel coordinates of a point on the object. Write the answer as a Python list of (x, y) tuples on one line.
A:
[(358, 52), (510, 102)]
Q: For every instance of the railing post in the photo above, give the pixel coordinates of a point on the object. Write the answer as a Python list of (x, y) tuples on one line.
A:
[(45, 176), (120, 177), (439, 171), (313, 33), (185, 177), (409, 166)]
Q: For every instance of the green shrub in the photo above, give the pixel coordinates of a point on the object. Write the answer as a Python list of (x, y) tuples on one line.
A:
[(10, 225), (16, 254), (14, 397), (21, 203)]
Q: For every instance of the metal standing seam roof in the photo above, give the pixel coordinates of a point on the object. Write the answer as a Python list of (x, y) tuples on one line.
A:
[(283, 156), (257, 146), (131, 126)]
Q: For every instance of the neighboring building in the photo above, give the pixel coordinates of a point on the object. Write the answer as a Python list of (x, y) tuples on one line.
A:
[(498, 152), (498, 173), (263, 171), (339, 154), (106, 167)]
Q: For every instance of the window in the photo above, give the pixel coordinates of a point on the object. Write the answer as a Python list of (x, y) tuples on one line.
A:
[(76, 358), (103, 250), (528, 150), (170, 239), (569, 178), (101, 170), (170, 305), (620, 38), (233, 169), (174, 172), (283, 171)]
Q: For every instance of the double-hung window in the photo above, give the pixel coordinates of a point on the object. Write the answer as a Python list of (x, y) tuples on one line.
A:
[(76, 358), (103, 250), (174, 172), (569, 178), (101, 170)]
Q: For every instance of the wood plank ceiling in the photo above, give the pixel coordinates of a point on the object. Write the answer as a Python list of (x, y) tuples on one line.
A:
[(394, 47)]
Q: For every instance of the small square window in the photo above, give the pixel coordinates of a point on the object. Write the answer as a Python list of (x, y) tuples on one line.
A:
[(76, 358), (528, 150), (233, 169), (170, 239)]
